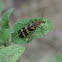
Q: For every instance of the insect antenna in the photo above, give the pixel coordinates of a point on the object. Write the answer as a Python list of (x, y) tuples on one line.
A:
[(42, 12)]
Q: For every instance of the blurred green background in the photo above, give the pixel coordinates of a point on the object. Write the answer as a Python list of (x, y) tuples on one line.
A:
[(40, 49)]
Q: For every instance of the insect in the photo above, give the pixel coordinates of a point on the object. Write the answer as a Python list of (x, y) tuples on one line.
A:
[(25, 31), (29, 29)]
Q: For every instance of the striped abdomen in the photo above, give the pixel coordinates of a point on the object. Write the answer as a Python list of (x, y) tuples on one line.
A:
[(27, 30)]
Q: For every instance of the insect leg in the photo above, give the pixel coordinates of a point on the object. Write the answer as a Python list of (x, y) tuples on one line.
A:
[(41, 28), (30, 35)]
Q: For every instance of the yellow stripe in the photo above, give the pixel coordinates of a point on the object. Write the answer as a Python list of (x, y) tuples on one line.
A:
[(21, 30), (27, 30), (23, 34), (32, 27)]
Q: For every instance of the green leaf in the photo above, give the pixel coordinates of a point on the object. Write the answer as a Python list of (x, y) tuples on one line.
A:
[(47, 26), (11, 53), (5, 34), (0, 45), (57, 58), (17, 61), (4, 20), (1, 39), (0, 7)]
